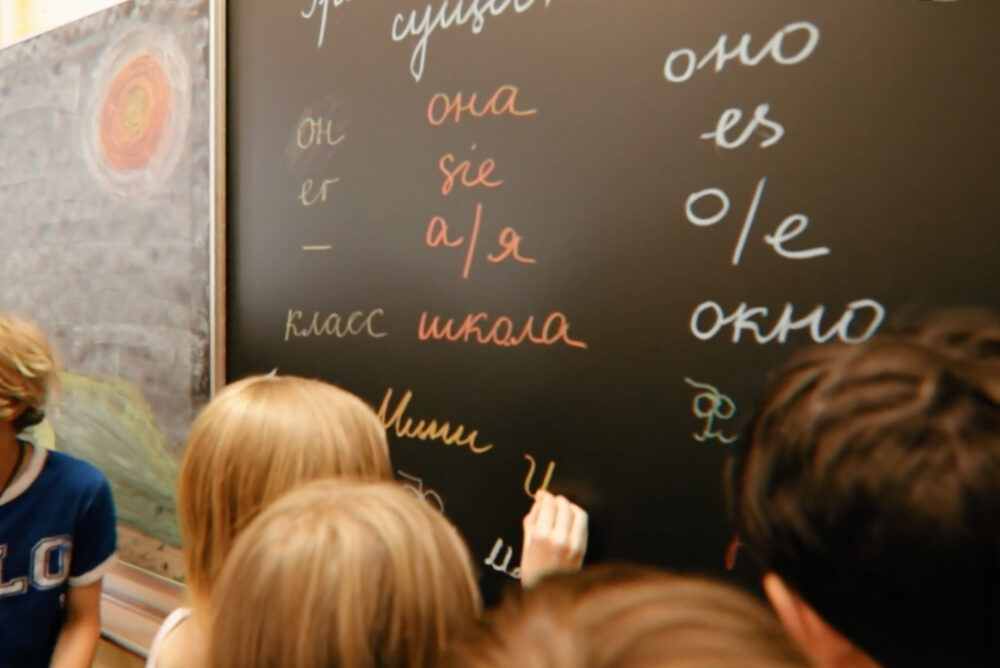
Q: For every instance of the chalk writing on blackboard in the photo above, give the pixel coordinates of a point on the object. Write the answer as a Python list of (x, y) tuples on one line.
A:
[(444, 107), (758, 123), (531, 474), (426, 430), (416, 485), (306, 196), (710, 405), (332, 324), (311, 12), (492, 562), (743, 319), (681, 64), (444, 17), (501, 332), (317, 131), (508, 240), (788, 229), (451, 172)]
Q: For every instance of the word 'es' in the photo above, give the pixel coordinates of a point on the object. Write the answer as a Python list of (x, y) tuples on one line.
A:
[(424, 430), (333, 324), (450, 13), (501, 332)]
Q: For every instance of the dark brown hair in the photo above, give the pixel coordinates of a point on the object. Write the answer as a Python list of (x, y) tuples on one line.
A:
[(869, 480), (620, 616)]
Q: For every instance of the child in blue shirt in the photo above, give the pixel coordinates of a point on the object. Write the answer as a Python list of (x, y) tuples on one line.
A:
[(57, 522)]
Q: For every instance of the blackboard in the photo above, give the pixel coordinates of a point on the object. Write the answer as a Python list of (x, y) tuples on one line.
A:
[(669, 251)]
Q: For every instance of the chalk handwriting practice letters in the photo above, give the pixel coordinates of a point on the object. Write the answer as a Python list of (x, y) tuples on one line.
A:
[(730, 118), (423, 430), (500, 333), (316, 131), (508, 240), (307, 197), (416, 485), (477, 327), (788, 229), (503, 102), (710, 405), (681, 64), (333, 324), (447, 166), (491, 560), (440, 109), (322, 16), (459, 13), (531, 474), (705, 208), (709, 318)]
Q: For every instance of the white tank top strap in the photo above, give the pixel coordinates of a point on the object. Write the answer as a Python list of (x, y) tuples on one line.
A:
[(172, 621)]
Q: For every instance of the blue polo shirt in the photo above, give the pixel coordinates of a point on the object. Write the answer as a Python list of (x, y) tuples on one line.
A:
[(57, 530)]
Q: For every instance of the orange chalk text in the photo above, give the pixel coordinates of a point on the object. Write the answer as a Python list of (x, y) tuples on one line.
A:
[(498, 331), (503, 102), (460, 173), (509, 241), (426, 430)]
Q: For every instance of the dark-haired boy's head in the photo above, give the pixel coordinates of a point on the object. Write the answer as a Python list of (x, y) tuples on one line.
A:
[(869, 483)]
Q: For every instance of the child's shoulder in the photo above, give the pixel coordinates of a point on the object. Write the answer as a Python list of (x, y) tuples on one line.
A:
[(73, 472)]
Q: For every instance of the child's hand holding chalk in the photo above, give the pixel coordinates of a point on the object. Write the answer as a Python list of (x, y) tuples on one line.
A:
[(555, 538)]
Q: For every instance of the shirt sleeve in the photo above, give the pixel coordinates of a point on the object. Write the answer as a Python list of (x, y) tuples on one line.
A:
[(95, 540)]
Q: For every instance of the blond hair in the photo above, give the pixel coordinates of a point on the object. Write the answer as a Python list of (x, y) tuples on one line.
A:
[(343, 573), (27, 367), (621, 616), (257, 439)]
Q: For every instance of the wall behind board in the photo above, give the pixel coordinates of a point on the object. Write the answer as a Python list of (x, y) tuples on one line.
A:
[(104, 189), (566, 239)]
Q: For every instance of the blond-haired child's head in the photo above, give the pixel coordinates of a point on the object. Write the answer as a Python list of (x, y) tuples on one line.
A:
[(625, 616), (27, 368), (257, 439), (343, 573)]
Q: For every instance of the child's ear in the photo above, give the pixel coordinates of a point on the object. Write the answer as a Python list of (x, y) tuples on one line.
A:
[(791, 609), (822, 644), (13, 410)]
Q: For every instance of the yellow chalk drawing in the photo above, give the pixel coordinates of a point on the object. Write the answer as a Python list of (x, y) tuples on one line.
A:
[(709, 405), (424, 430), (531, 474), (107, 422)]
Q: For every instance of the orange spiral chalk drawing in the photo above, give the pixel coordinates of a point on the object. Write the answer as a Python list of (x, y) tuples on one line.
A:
[(135, 113)]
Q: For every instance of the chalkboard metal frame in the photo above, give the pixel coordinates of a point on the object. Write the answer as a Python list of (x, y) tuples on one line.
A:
[(135, 601)]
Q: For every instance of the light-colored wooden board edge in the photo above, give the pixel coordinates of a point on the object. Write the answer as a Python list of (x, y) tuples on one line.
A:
[(217, 188), (134, 603)]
